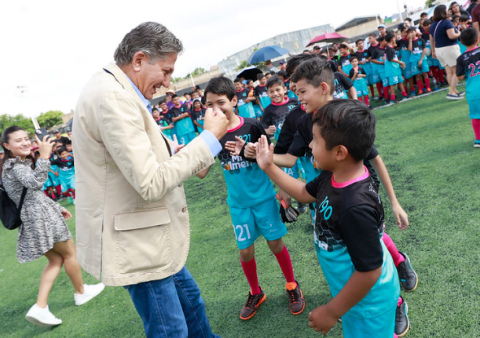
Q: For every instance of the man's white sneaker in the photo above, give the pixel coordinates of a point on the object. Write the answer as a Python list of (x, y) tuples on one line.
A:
[(42, 317), (89, 292)]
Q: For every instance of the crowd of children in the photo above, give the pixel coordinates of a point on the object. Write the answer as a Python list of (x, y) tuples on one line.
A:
[(61, 176)]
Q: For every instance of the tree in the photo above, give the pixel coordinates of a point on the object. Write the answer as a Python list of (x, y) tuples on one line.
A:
[(243, 64), (429, 3), (196, 72), (50, 118), (17, 120)]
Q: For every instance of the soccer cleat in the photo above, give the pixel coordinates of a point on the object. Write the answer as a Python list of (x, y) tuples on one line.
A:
[(412, 94), (42, 317), (429, 90), (420, 92), (408, 276), (387, 102), (402, 324), (476, 144), (252, 304), (296, 302), (89, 292)]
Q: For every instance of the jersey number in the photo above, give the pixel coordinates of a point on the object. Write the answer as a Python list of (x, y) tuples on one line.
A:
[(240, 236), (246, 138), (475, 69)]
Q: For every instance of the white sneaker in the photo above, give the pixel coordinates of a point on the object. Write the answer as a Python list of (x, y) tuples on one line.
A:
[(89, 292), (42, 317)]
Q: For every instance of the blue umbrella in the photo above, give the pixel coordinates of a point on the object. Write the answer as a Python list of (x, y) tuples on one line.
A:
[(266, 53)]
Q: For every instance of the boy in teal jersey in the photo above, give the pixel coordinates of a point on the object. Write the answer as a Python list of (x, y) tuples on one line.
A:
[(358, 77), (462, 25), (374, 44), (66, 173), (419, 63), (405, 57), (344, 65), (260, 93), (468, 67), (363, 56), (183, 123), (244, 100), (378, 64), (349, 222), (393, 72), (198, 114), (251, 199), (166, 124)]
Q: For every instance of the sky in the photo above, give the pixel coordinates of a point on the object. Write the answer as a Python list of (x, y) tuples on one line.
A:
[(54, 47)]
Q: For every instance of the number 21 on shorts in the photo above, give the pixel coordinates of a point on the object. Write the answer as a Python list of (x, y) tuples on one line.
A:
[(241, 232)]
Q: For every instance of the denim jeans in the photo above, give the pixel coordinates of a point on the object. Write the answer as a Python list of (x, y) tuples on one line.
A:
[(171, 307)]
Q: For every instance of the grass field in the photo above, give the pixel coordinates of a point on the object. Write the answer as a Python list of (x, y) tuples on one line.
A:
[(427, 145)]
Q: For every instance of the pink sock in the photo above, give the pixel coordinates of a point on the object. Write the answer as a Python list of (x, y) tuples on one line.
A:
[(359, 98), (420, 85), (397, 257), (250, 271), (392, 97), (285, 263), (400, 301), (404, 93), (476, 128), (379, 89), (367, 101), (427, 82)]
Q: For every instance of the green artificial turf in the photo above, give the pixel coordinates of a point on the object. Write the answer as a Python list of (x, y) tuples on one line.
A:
[(427, 146)]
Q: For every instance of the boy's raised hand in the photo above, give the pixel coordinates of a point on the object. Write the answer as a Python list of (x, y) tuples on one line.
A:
[(264, 153), (235, 147), (251, 150)]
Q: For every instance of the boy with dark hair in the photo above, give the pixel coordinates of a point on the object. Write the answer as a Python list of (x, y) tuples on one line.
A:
[(275, 114), (393, 73), (468, 67), (180, 115), (188, 100), (344, 65), (378, 64), (66, 173), (244, 100), (349, 222), (198, 114), (405, 57), (418, 61), (357, 76), (260, 92), (164, 122), (363, 57), (374, 44), (251, 199)]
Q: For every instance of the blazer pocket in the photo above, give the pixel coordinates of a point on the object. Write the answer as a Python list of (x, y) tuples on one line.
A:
[(142, 241)]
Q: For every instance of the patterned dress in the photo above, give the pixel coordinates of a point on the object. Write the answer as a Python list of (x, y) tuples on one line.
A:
[(42, 220)]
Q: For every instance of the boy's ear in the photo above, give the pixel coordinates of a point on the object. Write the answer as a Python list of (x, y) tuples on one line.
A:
[(325, 88), (341, 153), (234, 100)]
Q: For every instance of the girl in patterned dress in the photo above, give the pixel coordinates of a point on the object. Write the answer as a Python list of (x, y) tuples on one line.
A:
[(44, 231)]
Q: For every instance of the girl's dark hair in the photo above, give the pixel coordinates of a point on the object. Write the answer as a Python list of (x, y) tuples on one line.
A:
[(353, 58), (220, 86), (463, 18), (440, 13), (455, 18), (411, 29), (349, 123), (8, 154), (295, 60), (274, 80)]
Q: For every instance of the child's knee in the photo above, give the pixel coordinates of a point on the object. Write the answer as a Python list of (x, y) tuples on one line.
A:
[(276, 246), (247, 254)]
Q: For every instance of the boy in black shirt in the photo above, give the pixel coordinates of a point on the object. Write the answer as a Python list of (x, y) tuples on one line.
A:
[(260, 92), (349, 222)]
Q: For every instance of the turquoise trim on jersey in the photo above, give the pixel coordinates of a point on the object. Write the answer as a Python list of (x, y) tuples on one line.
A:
[(337, 268), (473, 106), (246, 110), (186, 138), (262, 219), (361, 87), (463, 48), (292, 95), (265, 101), (184, 126)]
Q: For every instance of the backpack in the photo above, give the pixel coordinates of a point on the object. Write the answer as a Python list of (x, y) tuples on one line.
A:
[(9, 213)]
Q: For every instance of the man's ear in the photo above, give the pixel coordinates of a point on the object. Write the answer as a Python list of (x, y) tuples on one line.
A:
[(137, 60)]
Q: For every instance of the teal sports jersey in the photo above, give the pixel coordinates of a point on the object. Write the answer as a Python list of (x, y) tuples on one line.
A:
[(260, 93), (247, 184), (275, 115), (344, 62), (468, 64), (185, 125), (418, 45), (404, 52), (392, 69), (199, 116), (66, 169), (244, 109), (378, 53), (363, 55)]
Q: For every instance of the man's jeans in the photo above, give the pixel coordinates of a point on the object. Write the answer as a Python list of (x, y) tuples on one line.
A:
[(171, 307)]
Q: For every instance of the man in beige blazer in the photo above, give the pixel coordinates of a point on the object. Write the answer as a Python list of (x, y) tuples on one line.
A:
[(131, 212)]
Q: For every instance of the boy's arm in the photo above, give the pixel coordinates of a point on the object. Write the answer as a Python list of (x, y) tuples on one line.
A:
[(290, 185), (179, 117), (340, 70), (460, 71), (410, 48), (285, 160), (400, 215)]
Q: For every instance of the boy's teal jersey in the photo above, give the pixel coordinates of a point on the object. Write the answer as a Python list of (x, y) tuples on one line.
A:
[(463, 48), (363, 55), (392, 69), (344, 62), (378, 54), (418, 45), (244, 109), (468, 64), (185, 125), (247, 184)]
